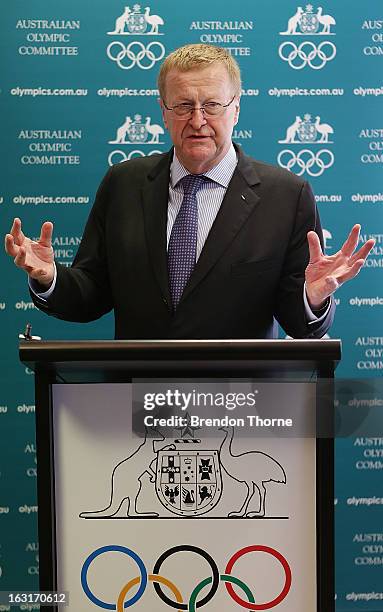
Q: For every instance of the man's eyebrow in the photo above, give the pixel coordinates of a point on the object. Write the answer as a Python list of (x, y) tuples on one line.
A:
[(182, 100), (185, 100)]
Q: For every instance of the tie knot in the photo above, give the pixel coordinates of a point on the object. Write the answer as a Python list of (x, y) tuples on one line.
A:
[(191, 183)]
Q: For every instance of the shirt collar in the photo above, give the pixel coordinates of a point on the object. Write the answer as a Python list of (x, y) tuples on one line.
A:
[(221, 173)]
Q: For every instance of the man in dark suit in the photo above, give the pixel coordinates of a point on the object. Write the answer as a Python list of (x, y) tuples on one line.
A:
[(200, 242)]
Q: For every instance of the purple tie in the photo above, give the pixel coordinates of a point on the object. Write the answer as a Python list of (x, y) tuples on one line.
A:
[(182, 248)]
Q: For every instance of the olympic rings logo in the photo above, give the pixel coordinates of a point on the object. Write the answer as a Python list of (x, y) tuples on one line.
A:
[(133, 58), (307, 58), (118, 156), (178, 602), (321, 160)]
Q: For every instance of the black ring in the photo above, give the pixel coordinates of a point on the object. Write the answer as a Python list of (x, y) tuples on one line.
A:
[(202, 553)]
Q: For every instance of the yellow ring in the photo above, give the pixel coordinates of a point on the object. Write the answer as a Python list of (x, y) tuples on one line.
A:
[(152, 578)]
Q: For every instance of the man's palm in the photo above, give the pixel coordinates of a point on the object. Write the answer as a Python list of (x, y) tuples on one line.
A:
[(35, 257), (325, 273)]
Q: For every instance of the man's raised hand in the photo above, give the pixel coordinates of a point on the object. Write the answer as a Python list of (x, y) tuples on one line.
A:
[(35, 257), (325, 273)]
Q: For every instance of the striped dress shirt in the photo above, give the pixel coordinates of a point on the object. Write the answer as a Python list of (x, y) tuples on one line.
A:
[(209, 197)]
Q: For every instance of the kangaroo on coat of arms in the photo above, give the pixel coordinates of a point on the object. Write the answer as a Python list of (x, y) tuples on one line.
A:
[(126, 479)]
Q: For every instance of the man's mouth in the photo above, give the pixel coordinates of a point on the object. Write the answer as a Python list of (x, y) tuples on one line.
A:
[(198, 136)]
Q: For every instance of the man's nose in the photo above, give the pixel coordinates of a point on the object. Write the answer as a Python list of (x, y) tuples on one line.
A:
[(197, 118)]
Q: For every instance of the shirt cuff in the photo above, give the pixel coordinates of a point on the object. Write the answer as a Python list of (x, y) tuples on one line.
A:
[(35, 287), (311, 316)]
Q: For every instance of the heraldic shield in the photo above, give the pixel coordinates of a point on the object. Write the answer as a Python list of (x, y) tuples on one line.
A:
[(188, 483)]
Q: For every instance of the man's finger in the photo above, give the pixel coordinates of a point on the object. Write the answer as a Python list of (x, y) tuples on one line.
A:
[(332, 284), (314, 247), (318, 295), (16, 231), (46, 234), (20, 258), (350, 245), (37, 274), (10, 247), (353, 271), (363, 251)]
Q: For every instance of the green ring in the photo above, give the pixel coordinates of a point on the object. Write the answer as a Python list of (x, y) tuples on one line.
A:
[(224, 578)]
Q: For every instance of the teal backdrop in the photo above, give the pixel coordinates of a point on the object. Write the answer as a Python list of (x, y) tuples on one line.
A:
[(78, 93)]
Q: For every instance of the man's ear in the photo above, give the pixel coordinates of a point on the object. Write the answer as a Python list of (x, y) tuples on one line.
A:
[(237, 110), (163, 109)]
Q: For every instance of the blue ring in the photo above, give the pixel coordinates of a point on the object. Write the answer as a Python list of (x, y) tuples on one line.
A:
[(113, 548)]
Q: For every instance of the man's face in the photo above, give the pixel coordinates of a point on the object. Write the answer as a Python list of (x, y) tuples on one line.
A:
[(200, 141)]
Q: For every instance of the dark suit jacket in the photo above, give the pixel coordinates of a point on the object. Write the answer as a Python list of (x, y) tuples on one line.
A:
[(251, 268)]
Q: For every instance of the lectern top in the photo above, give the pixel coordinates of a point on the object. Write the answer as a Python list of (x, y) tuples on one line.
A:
[(95, 359)]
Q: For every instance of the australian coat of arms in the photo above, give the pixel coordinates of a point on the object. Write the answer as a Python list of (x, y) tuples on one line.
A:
[(188, 482)]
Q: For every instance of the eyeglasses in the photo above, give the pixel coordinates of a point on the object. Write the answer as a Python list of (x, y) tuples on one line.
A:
[(210, 109)]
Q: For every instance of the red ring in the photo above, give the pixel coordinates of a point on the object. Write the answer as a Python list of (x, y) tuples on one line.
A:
[(269, 604)]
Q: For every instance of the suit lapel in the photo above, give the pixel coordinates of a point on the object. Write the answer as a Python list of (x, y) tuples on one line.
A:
[(238, 203), (155, 195)]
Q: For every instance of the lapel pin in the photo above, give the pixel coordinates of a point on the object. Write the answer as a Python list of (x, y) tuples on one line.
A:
[(243, 197)]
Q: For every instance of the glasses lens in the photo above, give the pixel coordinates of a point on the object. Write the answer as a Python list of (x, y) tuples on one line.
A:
[(183, 109), (213, 108)]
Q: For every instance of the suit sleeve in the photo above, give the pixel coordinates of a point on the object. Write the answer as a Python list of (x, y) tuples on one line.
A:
[(290, 310), (82, 292)]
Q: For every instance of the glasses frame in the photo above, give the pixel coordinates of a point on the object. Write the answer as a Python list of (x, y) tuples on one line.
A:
[(197, 108)]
